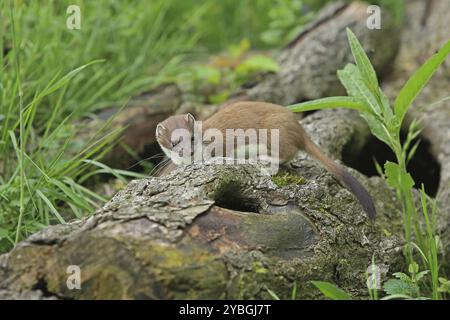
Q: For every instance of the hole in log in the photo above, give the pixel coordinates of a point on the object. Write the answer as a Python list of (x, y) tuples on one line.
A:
[(41, 285), (229, 195), (423, 167)]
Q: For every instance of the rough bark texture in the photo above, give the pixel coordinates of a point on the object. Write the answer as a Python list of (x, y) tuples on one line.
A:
[(209, 231), (212, 231)]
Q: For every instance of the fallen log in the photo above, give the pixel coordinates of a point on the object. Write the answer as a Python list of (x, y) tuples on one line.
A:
[(212, 231)]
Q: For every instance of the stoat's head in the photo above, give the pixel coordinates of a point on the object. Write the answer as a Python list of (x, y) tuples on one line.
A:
[(175, 136)]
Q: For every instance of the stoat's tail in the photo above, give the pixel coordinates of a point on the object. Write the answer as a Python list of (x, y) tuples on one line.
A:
[(346, 178)]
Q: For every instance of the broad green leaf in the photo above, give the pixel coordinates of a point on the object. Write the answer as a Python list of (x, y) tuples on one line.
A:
[(330, 103), (418, 80), (421, 274), (331, 291), (362, 61), (413, 268), (377, 128), (402, 276), (351, 79), (385, 106), (345, 76), (399, 287), (398, 178)]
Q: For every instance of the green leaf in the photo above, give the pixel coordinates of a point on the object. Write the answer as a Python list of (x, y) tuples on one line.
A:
[(273, 294), (377, 128), (331, 291), (257, 63), (272, 36), (330, 103), (208, 74), (418, 80), (402, 276), (3, 233), (397, 178), (351, 79), (413, 268), (347, 77), (294, 291), (362, 61), (238, 50), (397, 296), (220, 97), (398, 287), (385, 106), (421, 274)]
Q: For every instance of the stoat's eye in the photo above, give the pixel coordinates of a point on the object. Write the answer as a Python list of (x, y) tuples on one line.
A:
[(175, 142)]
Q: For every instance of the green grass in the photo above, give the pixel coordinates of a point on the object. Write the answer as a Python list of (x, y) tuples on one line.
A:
[(51, 78)]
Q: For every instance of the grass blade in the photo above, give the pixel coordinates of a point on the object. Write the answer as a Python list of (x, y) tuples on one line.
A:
[(418, 80), (330, 103), (331, 291), (50, 206)]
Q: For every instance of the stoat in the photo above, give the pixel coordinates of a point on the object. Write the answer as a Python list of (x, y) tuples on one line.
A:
[(260, 115)]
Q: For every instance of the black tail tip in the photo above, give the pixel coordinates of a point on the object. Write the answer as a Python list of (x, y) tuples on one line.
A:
[(361, 194), (370, 210)]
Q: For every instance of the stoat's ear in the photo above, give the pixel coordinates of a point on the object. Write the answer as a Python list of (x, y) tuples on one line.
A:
[(190, 120), (160, 129)]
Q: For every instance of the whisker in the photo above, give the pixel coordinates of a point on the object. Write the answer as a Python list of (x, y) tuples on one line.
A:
[(167, 165), (159, 155), (159, 167)]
